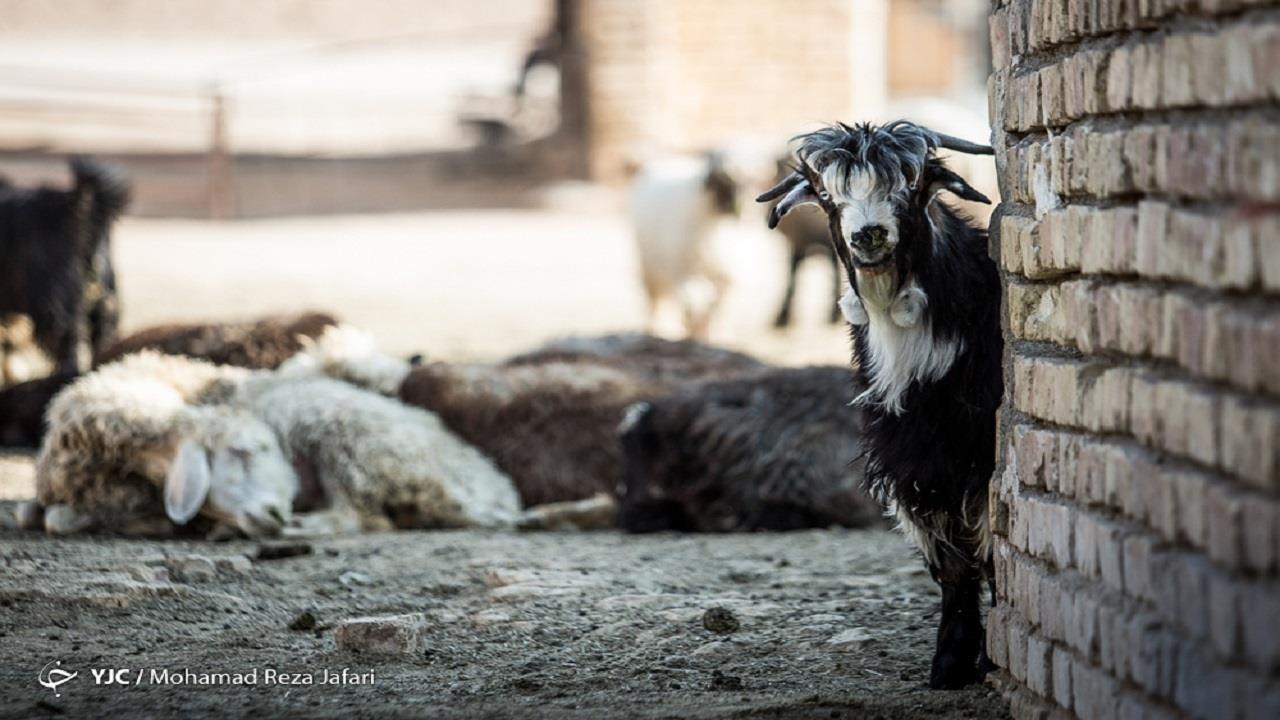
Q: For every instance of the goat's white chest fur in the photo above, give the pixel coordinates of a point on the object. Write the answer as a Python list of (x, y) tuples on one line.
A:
[(901, 347)]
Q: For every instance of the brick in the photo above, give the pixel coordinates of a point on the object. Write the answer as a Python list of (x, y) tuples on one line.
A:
[(1224, 616), (1001, 50), (1145, 88), (1137, 566), (1224, 509), (1251, 440), (1017, 647), (1152, 234), (1086, 539), (1253, 160), (1259, 607), (1177, 58), (1111, 538), (1259, 527), (1094, 693), (998, 636), (1191, 576), (1082, 625), (1189, 496), (1119, 81), (1039, 666), (1062, 677)]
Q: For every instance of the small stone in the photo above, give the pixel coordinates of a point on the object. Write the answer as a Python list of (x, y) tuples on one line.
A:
[(148, 573), (720, 620), (352, 577), (720, 681), (28, 515), (304, 620), (62, 520), (235, 565), (384, 635), (282, 550), (192, 568), (490, 617), (850, 639)]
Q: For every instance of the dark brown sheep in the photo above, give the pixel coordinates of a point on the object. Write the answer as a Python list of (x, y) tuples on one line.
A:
[(259, 344), (549, 418)]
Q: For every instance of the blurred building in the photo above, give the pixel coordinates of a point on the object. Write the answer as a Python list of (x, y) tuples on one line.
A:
[(290, 107), (647, 76)]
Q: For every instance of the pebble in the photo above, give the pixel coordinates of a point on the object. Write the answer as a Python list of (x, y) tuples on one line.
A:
[(720, 681), (850, 639), (305, 620), (351, 577), (282, 550), (720, 620), (192, 568), (383, 635), (62, 520), (28, 515), (235, 565)]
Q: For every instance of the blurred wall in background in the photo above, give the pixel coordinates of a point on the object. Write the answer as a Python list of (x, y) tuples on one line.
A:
[(277, 107)]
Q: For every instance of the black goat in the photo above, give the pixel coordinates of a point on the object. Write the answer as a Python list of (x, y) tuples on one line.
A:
[(807, 236), (56, 246), (765, 451), (926, 307)]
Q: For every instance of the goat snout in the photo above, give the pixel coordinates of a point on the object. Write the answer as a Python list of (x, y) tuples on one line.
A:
[(870, 238)]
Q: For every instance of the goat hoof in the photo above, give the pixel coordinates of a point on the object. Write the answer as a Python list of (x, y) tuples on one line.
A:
[(952, 672)]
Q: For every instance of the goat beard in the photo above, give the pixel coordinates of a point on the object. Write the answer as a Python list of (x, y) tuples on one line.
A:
[(877, 285)]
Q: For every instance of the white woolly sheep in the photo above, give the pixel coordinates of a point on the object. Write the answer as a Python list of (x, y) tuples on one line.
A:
[(246, 449)]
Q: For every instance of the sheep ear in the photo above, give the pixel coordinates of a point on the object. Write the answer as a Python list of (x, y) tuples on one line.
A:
[(187, 484), (941, 178)]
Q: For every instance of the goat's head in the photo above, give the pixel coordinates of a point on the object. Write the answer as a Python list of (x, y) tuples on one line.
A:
[(229, 466), (875, 184)]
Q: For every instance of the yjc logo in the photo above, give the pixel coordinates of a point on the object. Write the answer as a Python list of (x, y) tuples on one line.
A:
[(52, 675)]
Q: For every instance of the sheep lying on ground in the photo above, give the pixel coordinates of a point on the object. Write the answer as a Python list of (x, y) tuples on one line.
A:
[(56, 268), (674, 206), (550, 419), (770, 450), (246, 449), (262, 343)]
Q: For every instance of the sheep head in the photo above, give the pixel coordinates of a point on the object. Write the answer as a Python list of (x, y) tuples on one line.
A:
[(876, 184), (228, 466)]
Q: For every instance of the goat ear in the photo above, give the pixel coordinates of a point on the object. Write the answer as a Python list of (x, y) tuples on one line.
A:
[(187, 484), (941, 178), (798, 192)]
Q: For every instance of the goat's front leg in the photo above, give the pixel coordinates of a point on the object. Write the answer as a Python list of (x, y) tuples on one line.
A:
[(957, 657)]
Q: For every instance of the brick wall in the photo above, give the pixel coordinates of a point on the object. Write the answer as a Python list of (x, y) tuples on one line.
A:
[(687, 75), (1136, 508)]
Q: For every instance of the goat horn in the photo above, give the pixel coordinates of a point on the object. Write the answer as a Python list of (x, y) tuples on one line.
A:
[(781, 188), (964, 146)]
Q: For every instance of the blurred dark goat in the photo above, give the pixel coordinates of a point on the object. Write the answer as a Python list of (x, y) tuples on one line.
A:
[(56, 267), (259, 344), (925, 310), (806, 234), (771, 450)]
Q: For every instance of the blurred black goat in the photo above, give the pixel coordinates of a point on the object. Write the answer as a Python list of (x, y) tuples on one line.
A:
[(55, 260)]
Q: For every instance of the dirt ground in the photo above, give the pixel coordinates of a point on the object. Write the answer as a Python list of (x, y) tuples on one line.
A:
[(592, 625), (831, 624)]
